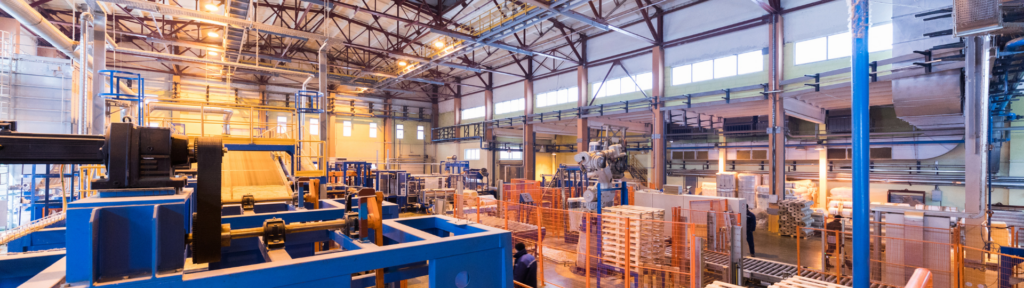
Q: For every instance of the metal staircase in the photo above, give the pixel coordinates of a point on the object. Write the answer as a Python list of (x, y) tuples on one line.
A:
[(637, 170)]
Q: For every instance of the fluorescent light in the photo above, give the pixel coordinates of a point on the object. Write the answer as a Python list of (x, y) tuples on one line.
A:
[(213, 53)]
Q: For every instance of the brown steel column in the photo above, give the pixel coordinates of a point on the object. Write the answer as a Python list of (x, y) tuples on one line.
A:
[(488, 112), (657, 175), (582, 128), (458, 115), (529, 157), (389, 133), (777, 118)]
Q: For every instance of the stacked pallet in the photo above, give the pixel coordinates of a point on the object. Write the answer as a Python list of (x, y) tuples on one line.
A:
[(726, 184), (746, 188), (802, 189), (708, 189), (794, 213), (646, 238)]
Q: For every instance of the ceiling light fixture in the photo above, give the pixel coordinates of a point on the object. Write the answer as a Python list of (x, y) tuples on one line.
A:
[(213, 34), (402, 63), (439, 44), (213, 53), (212, 7)]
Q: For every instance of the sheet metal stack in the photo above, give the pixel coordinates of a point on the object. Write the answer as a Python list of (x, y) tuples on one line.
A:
[(726, 184), (793, 213), (646, 238)]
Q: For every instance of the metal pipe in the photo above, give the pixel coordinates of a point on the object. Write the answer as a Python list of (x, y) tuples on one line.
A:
[(83, 68), (289, 228), (860, 74)]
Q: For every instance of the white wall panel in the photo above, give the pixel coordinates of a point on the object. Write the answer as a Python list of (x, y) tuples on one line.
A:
[(446, 106), (743, 41), (473, 100), (509, 92), (564, 80), (826, 19), (710, 15)]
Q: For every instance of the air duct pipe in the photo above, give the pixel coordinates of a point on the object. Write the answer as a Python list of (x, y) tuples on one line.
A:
[(83, 77), (33, 21), (188, 108)]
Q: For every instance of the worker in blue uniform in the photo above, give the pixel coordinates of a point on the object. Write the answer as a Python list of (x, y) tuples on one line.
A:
[(751, 225), (525, 268)]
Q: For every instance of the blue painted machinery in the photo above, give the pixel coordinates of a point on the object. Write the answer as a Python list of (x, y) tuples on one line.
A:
[(147, 233)]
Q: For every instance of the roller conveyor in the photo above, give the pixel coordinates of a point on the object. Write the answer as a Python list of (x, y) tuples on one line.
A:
[(756, 269)]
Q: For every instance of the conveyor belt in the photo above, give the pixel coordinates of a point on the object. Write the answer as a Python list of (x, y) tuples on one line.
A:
[(252, 172), (757, 269)]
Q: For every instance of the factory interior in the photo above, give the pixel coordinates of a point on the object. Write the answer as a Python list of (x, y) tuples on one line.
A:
[(511, 143)]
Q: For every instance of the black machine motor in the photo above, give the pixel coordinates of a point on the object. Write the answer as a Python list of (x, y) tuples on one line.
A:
[(136, 157)]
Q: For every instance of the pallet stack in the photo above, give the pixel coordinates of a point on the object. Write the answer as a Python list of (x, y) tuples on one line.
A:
[(746, 188), (726, 184), (646, 238), (794, 213)]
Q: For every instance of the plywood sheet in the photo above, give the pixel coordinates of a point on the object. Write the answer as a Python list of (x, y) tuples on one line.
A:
[(252, 172)]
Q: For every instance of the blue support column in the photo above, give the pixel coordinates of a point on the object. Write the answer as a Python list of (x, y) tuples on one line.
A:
[(861, 125)]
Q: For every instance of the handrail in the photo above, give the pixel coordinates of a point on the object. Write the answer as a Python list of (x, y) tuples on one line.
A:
[(38, 224)]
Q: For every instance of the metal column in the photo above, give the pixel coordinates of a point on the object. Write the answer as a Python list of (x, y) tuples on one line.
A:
[(976, 154), (776, 137), (582, 125), (325, 104), (861, 127), (529, 156), (657, 177)]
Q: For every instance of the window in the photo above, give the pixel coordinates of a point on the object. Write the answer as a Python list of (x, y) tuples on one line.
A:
[(560, 96), (880, 38), (749, 62), (509, 106), (346, 128), (625, 85), (419, 132), (282, 124), (314, 126), (510, 155), (727, 66), (475, 112), (373, 130), (841, 45), (400, 131), (681, 75), (472, 154)]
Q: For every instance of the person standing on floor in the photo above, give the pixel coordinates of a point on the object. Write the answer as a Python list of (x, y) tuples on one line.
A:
[(751, 225), (525, 268)]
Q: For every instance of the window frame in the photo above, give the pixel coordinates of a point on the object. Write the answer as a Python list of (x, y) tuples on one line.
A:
[(419, 132)]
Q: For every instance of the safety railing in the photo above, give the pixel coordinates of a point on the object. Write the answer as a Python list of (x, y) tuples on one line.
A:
[(33, 226), (237, 124), (87, 173), (309, 159), (896, 251)]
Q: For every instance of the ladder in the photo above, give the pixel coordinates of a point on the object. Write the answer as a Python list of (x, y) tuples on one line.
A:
[(6, 79), (637, 170)]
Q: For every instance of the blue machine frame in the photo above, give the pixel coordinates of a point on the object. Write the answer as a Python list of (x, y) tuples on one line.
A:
[(133, 241)]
